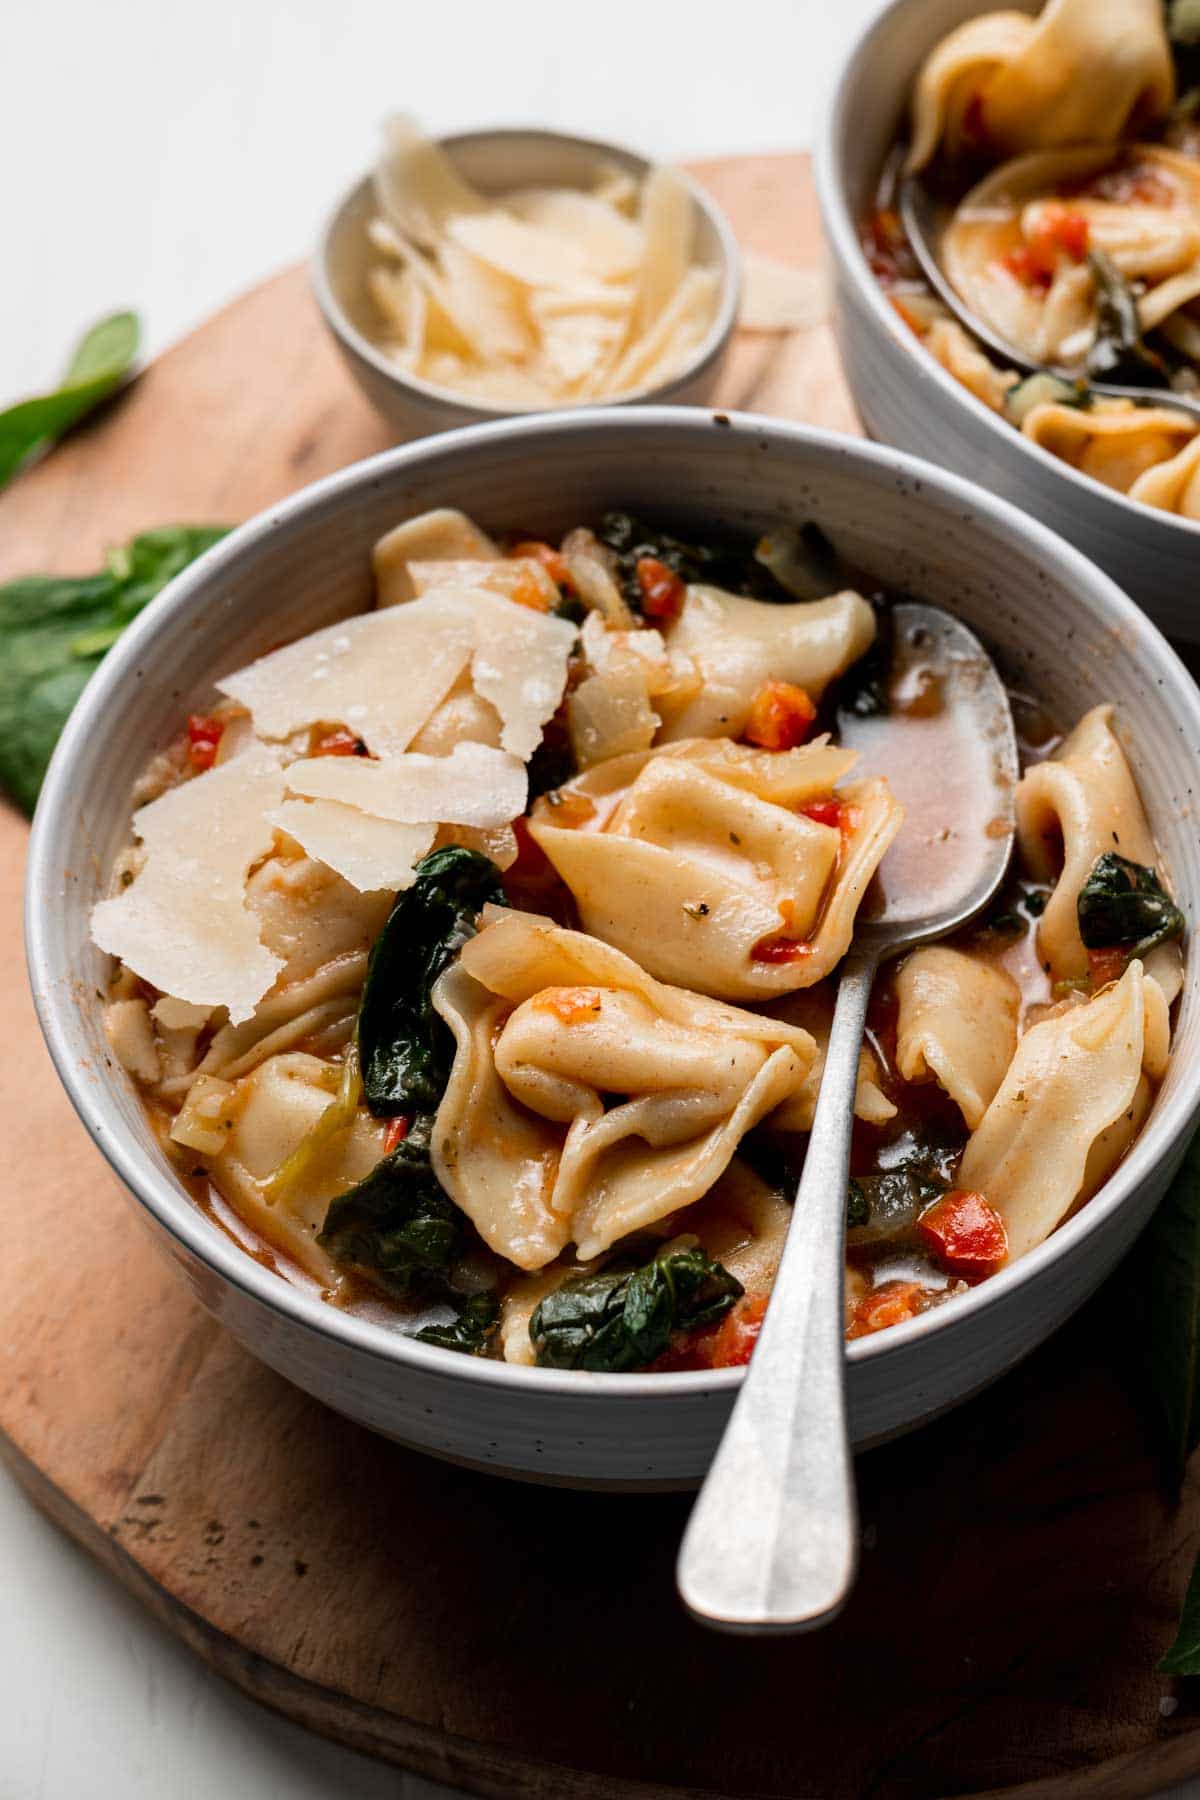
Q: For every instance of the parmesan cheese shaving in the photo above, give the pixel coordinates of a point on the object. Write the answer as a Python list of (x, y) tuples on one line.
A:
[(441, 536), (370, 853), (380, 675), (520, 665), (182, 924), (538, 297), (776, 297), (474, 785)]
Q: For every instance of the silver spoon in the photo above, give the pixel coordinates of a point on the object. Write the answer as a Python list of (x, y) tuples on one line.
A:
[(918, 215), (771, 1545)]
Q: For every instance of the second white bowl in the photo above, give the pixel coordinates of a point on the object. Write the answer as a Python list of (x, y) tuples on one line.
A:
[(907, 399)]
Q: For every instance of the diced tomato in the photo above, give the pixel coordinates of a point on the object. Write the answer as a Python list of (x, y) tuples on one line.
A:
[(570, 1005), (1107, 965), (203, 740), (737, 1333), (825, 812), (1027, 267), (780, 950), (396, 1133), (338, 743), (552, 560), (781, 716), (722, 1346), (965, 1234), (1059, 231), (663, 591), (888, 1305)]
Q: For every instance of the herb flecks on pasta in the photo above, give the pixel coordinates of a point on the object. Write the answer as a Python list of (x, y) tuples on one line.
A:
[(502, 1009), (1069, 193)]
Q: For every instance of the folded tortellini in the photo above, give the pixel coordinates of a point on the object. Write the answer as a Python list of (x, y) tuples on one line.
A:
[(1070, 1105), (1141, 209), (587, 1100), (736, 645), (699, 859), (956, 1025), (1072, 808), (1083, 71), (1138, 450)]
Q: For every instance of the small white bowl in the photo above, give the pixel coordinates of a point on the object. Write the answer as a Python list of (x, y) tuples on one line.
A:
[(1060, 624), (496, 161), (907, 399)]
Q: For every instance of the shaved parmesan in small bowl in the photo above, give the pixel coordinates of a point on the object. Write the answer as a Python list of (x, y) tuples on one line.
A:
[(510, 271)]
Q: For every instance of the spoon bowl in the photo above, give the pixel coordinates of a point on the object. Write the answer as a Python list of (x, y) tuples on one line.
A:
[(771, 1544), (918, 214)]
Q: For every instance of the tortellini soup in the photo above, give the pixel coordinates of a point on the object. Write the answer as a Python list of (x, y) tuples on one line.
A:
[(1064, 150), (475, 955)]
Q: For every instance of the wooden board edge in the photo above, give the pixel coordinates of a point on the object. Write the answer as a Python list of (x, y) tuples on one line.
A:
[(438, 1756)]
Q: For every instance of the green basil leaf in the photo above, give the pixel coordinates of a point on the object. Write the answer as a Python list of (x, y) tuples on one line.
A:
[(1123, 902), (622, 1318), (469, 1330), (54, 630), (406, 1049), (101, 360), (397, 1223)]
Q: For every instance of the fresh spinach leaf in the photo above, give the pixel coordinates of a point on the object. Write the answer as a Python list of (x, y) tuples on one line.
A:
[(1118, 352), (398, 1222), (622, 1318), (1123, 902), (731, 567), (102, 359), (55, 629), (406, 1050), (469, 1330)]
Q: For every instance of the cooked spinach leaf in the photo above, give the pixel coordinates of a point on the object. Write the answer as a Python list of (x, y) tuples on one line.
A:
[(728, 566), (884, 1206), (1118, 352), (551, 764), (406, 1050), (398, 1222), (469, 1330), (101, 359), (1122, 902), (55, 629), (623, 1317)]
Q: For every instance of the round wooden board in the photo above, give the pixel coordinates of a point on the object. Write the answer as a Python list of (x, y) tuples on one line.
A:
[(1021, 1568)]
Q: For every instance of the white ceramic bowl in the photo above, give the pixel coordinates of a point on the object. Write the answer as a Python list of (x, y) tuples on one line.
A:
[(1059, 623), (497, 161), (907, 399)]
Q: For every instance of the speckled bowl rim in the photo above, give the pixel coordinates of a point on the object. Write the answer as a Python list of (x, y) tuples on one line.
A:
[(841, 229), (710, 348), (145, 1174)]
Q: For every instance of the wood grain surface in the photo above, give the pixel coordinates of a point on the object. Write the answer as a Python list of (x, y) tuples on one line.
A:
[(1022, 1565)]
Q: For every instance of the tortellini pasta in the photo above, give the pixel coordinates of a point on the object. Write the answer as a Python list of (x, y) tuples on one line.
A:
[(1073, 1079), (549, 1024), (737, 644), (1072, 808), (1084, 71), (1124, 446), (1151, 236), (957, 1025), (698, 858)]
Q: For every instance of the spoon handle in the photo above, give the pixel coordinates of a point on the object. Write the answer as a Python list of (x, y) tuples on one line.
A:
[(772, 1542)]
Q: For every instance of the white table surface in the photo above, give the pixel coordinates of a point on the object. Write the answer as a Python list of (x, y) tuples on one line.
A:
[(164, 156)]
